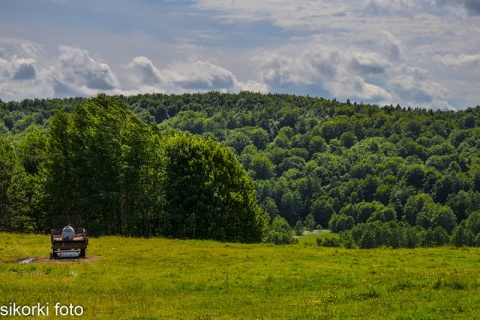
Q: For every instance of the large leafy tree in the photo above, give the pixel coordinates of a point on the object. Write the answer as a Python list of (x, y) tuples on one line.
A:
[(26, 191), (100, 159), (208, 194), (7, 165)]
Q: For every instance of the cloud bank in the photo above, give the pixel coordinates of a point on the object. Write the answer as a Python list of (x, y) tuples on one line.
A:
[(422, 53), (76, 73)]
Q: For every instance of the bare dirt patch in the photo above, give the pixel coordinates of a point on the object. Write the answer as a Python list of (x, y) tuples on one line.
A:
[(31, 260)]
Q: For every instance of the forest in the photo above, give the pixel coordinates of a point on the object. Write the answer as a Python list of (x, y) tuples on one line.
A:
[(220, 166)]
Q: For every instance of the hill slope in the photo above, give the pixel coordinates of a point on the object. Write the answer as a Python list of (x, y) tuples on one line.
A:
[(353, 162)]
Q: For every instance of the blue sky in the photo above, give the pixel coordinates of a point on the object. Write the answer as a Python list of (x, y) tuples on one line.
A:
[(419, 53)]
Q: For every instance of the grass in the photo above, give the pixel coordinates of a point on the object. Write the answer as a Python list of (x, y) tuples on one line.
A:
[(310, 238), (173, 279)]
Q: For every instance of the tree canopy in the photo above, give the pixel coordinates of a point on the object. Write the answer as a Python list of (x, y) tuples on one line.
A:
[(208, 194), (124, 177), (345, 164)]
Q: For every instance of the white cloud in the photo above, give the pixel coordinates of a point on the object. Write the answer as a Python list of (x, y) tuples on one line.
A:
[(5, 66), (416, 91), (394, 47), (20, 63), (27, 89), (419, 53), (374, 50), (460, 60), (20, 74), (413, 86), (144, 72), (287, 14), (324, 69), (200, 75), (388, 7), (76, 71), (350, 72), (368, 63), (333, 15), (23, 69), (253, 86), (29, 50), (186, 76)]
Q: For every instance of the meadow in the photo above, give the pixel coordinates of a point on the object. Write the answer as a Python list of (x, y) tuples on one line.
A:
[(135, 278)]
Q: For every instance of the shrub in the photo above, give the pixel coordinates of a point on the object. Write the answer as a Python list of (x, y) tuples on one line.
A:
[(281, 232), (329, 242)]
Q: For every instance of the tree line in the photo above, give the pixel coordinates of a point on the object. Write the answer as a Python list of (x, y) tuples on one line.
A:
[(345, 164), (125, 178)]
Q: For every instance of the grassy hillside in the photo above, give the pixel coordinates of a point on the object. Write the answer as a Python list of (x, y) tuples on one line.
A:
[(125, 278)]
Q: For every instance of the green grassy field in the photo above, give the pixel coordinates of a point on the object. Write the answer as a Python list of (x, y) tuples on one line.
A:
[(126, 278)]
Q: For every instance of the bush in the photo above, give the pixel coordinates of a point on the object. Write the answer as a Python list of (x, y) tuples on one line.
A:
[(329, 242), (398, 235), (281, 232), (280, 238), (462, 236), (299, 228)]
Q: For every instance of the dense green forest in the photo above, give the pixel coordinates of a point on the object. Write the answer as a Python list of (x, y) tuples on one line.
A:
[(393, 176)]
